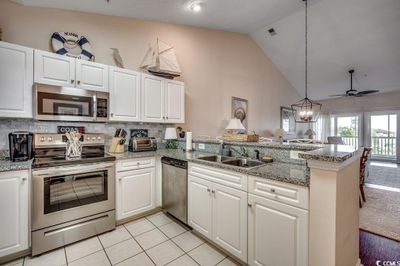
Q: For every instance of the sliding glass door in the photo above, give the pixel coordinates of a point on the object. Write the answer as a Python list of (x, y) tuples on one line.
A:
[(383, 135), (348, 127)]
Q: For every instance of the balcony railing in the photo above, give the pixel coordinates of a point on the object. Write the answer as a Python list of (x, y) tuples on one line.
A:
[(351, 141), (381, 146)]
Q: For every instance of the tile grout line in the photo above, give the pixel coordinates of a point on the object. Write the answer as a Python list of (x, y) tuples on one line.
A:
[(184, 252), (65, 255), (104, 250), (140, 247)]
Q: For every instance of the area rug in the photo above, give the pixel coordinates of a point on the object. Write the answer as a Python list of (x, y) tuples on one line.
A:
[(381, 213), (384, 176)]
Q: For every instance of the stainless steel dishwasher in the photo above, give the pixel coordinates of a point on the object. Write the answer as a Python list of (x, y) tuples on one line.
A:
[(174, 188)]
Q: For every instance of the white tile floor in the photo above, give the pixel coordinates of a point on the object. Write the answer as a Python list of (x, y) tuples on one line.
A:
[(154, 240)]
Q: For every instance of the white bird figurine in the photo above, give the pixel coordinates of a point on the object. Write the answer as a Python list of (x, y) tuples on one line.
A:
[(117, 58)]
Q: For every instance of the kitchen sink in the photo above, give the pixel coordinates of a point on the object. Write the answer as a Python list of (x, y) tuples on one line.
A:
[(233, 161), (247, 163), (216, 158)]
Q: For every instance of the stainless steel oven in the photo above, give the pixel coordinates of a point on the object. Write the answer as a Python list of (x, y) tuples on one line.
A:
[(70, 203), (70, 104)]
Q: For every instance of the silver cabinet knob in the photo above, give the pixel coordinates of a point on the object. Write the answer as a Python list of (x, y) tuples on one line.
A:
[(249, 205), (167, 117), (79, 82), (208, 190), (24, 179), (213, 191), (72, 81), (120, 179), (272, 190), (112, 114)]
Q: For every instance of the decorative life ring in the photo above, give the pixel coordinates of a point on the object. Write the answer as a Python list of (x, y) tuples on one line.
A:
[(72, 44)]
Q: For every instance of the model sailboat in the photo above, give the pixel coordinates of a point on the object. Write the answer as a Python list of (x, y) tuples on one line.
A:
[(160, 60)]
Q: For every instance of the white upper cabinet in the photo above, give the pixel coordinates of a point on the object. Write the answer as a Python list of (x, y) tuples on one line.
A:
[(60, 70), (54, 69), (16, 80), (163, 100), (174, 101), (152, 99), (14, 207), (91, 75), (124, 94)]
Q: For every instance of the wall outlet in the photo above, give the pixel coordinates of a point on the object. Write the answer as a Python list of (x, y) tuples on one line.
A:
[(201, 146)]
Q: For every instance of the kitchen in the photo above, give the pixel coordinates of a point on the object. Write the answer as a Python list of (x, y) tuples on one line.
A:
[(106, 160)]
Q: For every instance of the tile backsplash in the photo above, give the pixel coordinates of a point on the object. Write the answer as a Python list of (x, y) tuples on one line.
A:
[(10, 125)]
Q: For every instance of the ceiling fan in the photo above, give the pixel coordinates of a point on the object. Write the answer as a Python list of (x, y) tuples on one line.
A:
[(352, 92)]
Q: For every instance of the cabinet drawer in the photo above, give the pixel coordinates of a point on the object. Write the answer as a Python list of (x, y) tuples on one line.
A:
[(132, 164), (286, 193), (224, 177)]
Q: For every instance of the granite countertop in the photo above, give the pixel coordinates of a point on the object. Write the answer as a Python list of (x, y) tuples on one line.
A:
[(273, 145), (284, 172), (7, 165), (330, 153)]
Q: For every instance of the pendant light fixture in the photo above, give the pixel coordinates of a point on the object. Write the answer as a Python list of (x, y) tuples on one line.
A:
[(306, 110)]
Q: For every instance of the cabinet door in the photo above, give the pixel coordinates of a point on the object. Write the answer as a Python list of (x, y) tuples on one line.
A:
[(135, 192), (278, 233), (91, 75), (14, 207), (124, 95), (16, 80), (152, 99), (54, 69), (200, 205), (174, 102), (230, 220)]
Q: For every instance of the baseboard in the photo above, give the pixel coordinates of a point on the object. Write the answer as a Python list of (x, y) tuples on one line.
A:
[(359, 263), (15, 256), (138, 216)]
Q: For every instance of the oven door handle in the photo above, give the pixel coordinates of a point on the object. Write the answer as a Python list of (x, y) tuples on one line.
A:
[(55, 171)]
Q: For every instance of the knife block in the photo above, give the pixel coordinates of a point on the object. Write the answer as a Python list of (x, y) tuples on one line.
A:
[(116, 146)]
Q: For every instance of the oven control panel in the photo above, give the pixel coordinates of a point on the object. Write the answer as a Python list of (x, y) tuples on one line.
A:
[(56, 140)]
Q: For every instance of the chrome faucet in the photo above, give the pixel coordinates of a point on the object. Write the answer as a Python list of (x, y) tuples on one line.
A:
[(242, 152)]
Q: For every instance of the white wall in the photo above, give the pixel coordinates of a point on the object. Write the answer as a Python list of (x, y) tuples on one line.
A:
[(215, 65)]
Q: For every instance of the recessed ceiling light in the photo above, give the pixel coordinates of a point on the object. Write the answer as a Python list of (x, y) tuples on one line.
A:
[(196, 7)]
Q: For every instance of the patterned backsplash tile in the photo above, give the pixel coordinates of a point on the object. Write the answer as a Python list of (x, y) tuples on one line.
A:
[(10, 125)]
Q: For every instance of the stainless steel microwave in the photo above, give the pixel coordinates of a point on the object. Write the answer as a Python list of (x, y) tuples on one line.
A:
[(70, 104)]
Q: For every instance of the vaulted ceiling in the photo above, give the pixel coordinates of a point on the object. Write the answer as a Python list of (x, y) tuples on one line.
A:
[(230, 15), (343, 34)]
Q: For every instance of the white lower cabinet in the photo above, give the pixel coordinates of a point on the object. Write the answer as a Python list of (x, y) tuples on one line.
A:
[(278, 233), (219, 213), (230, 220), (14, 208), (135, 192), (200, 205)]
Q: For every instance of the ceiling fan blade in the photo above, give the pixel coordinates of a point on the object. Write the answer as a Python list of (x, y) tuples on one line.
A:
[(362, 93)]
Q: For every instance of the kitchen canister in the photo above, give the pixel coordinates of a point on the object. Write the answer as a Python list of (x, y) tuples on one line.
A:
[(189, 141)]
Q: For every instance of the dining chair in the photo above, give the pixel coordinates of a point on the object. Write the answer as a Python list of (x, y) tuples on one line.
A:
[(335, 140), (363, 172)]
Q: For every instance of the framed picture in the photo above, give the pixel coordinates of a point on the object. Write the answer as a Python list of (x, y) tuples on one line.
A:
[(67, 109), (288, 123), (239, 110)]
